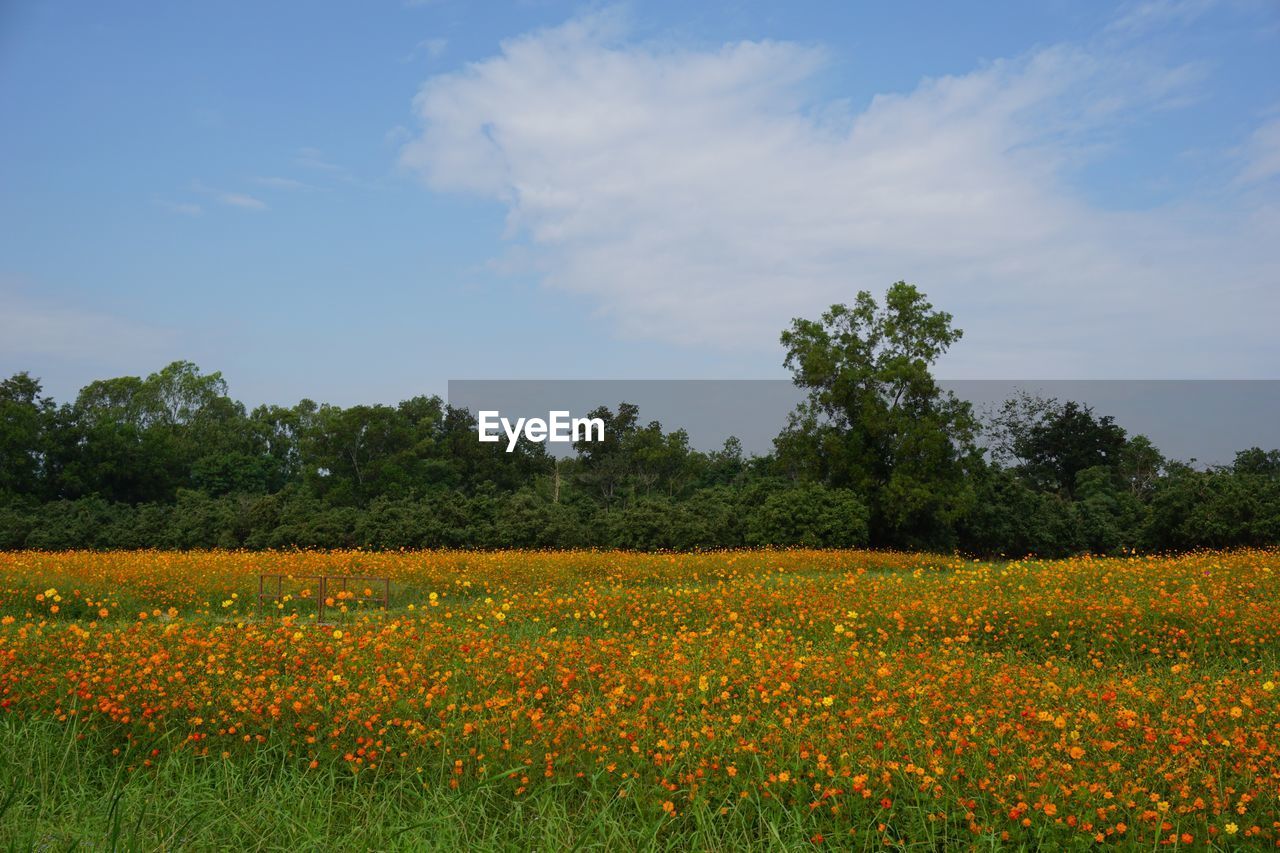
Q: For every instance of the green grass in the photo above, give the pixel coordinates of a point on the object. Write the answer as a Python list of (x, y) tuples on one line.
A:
[(60, 793)]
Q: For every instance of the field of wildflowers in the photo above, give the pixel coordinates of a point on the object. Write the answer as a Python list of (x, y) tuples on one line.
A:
[(730, 700)]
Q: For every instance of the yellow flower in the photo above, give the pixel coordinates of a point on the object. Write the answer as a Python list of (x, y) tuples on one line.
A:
[(337, 635), (1231, 829)]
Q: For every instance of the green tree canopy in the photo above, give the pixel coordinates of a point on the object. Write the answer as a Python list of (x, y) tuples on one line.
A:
[(875, 420)]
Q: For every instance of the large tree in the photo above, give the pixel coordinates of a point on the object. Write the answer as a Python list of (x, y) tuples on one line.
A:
[(25, 417), (875, 420)]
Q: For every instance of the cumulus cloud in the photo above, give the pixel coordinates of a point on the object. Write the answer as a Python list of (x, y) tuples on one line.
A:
[(706, 196)]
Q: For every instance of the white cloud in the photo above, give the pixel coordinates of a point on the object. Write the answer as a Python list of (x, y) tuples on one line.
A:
[(431, 48), (1262, 154), (37, 328), (705, 197), (185, 208), (278, 183), (242, 200), (231, 199), (313, 158), (1152, 14)]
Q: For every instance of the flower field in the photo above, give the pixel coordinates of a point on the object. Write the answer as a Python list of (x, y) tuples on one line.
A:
[(843, 699)]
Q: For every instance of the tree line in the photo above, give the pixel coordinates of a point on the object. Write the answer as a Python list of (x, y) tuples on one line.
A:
[(877, 455)]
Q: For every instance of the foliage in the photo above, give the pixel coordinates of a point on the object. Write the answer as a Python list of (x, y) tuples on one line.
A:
[(875, 421), (810, 515), (877, 454)]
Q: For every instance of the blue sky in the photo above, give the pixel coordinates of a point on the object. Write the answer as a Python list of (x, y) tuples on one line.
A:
[(358, 202)]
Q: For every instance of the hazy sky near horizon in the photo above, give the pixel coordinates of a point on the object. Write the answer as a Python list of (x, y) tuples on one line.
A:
[(359, 202)]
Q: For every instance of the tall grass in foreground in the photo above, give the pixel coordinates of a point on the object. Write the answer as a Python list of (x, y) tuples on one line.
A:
[(61, 794)]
